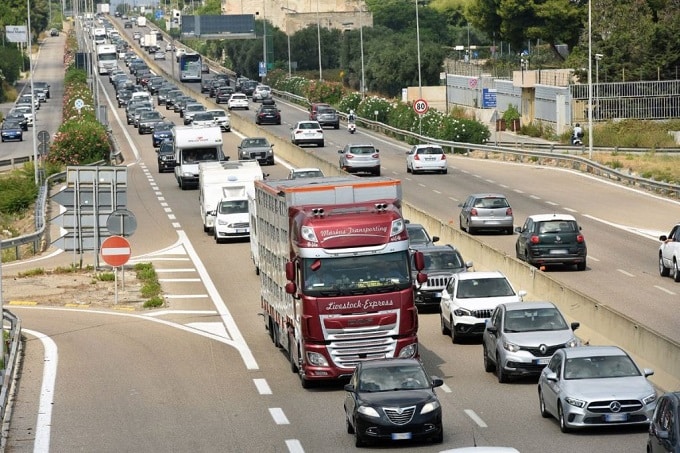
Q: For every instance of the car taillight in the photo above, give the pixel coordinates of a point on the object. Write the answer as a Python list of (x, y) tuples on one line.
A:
[(320, 131), (580, 239), (349, 156), (508, 211), (473, 211), (535, 239), (375, 156), (416, 157), (443, 156)]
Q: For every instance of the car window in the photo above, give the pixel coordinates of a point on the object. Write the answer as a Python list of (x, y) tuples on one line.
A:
[(443, 261), (430, 150), (557, 226), (484, 287), (362, 150), (531, 320)]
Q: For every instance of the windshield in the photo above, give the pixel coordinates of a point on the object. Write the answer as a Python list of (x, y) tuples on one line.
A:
[(484, 287), (356, 275), (600, 367), (234, 207), (534, 320), (443, 261), (392, 378), (195, 155)]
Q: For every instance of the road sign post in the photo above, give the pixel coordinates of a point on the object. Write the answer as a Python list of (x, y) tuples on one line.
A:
[(116, 252), (420, 106)]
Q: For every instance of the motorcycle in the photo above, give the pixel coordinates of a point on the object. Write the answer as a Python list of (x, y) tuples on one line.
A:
[(351, 127), (576, 139)]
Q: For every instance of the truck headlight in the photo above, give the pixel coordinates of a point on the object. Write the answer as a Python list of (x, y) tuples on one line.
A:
[(316, 359)]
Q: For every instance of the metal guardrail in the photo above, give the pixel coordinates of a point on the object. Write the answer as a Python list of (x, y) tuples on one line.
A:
[(10, 359), (584, 149), (15, 162)]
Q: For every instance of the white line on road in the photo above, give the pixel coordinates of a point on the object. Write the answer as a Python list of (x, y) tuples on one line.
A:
[(667, 291), (44, 424), (446, 388), (475, 418), (262, 386), (179, 280), (535, 197), (294, 446), (436, 191), (570, 210), (278, 416), (552, 203), (592, 258), (628, 274)]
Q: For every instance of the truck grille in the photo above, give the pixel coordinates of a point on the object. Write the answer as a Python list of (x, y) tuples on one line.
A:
[(400, 416)]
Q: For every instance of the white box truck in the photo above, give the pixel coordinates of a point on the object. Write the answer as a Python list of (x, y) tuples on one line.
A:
[(194, 145), (106, 58), (103, 8), (224, 188), (99, 35), (141, 21), (150, 42)]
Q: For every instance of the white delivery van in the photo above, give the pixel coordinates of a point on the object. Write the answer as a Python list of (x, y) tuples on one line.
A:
[(194, 145)]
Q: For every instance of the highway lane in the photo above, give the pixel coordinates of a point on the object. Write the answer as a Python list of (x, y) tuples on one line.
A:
[(315, 417)]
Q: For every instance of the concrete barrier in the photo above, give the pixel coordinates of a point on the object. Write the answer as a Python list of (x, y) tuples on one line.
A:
[(600, 324)]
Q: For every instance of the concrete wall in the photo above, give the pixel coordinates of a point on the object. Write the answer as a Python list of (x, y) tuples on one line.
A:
[(600, 324)]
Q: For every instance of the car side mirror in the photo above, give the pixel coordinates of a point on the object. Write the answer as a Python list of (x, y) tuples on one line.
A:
[(518, 229), (437, 382), (575, 325), (522, 294), (349, 387), (491, 328), (663, 238), (435, 239), (421, 278), (648, 372), (551, 377), (340, 151)]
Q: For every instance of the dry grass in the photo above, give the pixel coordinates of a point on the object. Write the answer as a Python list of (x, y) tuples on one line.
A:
[(650, 165)]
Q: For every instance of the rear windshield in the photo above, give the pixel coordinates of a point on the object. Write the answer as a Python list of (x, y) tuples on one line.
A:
[(430, 150), (362, 150), (557, 226), (491, 203)]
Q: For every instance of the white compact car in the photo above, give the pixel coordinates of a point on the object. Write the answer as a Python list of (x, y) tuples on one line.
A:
[(221, 119), (232, 220), (422, 158), (238, 101), (307, 132)]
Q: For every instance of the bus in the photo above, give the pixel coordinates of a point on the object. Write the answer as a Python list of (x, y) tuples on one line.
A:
[(107, 58), (190, 67)]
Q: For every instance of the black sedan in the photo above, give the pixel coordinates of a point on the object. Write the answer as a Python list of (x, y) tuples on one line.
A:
[(664, 431), (11, 130), (393, 399), (222, 94), (162, 131), (268, 114), (19, 118)]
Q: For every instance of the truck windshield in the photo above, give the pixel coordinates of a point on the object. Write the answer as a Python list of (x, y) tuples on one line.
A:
[(192, 156), (356, 275)]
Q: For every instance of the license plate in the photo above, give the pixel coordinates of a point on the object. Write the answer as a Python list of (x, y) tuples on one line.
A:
[(241, 230), (401, 436), (558, 252), (430, 159), (615, 417), (543, 361)]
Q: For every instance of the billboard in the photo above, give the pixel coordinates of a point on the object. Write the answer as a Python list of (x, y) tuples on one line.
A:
[(16, 33)]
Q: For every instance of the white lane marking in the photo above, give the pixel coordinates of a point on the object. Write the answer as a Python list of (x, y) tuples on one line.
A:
[(421, 184), (227, 318), (44, 422), (215, 328), (172, 217), (294, 446), (182, 312), (437, 192), (446, 388), (667, 291), (628, 274), (278, 416), (262, 387), (552, 203), (491, 181), (503, 186), (535, 197), (168, 210), (475, 418), (570, 210), (179, 280), (649, 234), (592, 258), (517, 191), (176, 224), (124, 128)]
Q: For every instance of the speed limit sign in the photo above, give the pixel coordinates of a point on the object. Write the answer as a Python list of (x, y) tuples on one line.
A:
[(420, 106)]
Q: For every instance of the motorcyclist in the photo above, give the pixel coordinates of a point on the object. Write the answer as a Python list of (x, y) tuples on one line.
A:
[(578, 135), (351, 118)]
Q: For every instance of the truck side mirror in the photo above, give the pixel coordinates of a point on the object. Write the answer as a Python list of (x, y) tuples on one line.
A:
[(419, 261), (291, 288), (290, 271)]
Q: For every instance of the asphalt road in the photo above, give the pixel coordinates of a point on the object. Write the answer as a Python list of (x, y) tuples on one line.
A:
[(202, 374)]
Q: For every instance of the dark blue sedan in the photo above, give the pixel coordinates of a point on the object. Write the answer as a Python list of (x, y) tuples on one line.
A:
[(162, 131), (11, 130)]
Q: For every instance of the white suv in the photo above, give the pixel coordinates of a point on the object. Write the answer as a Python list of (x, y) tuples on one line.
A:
[(422, 158), (262, 92), (669, 254)]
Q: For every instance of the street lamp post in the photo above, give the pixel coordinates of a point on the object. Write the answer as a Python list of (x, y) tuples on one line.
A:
[(318, 37), (288, 10), (598, 57), (590, 79), (420, 80), (361, 41)]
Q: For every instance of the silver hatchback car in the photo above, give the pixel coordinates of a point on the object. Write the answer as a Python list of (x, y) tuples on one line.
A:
[(356, 158), (486, 211), (519, 339)]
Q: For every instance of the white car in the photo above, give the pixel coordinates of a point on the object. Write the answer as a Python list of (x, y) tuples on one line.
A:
[(203, 119), (221, 119), (26, 111), (307, 132), (469, 300), (669, 254), (159, 55), (299, 173), (238, 101), (262, 92), (422, 158), (179, 52), (232, 220)]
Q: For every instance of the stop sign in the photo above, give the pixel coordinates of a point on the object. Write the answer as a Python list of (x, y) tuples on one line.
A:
[(116, 251)]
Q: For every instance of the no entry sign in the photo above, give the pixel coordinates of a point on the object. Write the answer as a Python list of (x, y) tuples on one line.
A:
[(116, 251)]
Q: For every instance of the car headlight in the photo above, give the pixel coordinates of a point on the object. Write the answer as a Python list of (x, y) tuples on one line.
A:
[(462, 312), (409, 351), (316, 359), (429, 407), (575, 402), (572, 343), (510, 346), (368, 411), (649, 399)]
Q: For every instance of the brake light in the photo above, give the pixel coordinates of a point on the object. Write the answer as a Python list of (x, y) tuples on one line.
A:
[(473, 211), (443, 156), (580, 239), (416, 157), (349, 156), (535, 239), (508, 211), (375, 156)]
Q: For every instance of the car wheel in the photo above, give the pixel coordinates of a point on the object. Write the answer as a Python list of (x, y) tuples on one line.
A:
[(350, 428), (445, 171), (541, 405), (663, 270), (460, 224), (377, 172), (320, 144), (500, 372), (560, 416), (581, 266), (509, 231), (455, 338), (676, 272), (439, 438), (408, 170), (488, 364), (445, 330), (217, 238)]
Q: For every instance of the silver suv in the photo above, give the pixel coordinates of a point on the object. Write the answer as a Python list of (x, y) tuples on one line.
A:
[(519, 339), (360, 159), (328, 116)]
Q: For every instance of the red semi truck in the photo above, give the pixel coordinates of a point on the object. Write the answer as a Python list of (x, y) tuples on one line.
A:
[(332, 254)]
